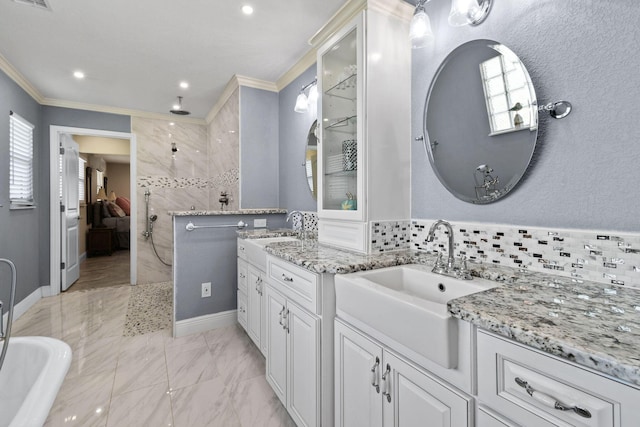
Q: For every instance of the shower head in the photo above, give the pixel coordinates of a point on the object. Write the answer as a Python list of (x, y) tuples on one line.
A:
[(177, 109)]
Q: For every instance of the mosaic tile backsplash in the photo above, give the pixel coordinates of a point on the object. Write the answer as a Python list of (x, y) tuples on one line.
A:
[(604, 257), (390, 236)]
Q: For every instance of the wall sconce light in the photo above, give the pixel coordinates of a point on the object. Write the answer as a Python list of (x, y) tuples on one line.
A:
[(420, 32), (463, 12), (468, 12), (303, 102)]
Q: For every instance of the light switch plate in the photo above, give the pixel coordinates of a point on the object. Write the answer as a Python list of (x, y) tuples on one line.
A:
[(260, 223)]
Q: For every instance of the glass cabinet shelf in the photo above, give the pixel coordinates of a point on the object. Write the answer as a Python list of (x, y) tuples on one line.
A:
[(344, 124), (345, 88), (343, 173)]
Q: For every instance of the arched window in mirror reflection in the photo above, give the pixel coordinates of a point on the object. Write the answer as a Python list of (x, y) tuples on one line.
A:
[(311, 159)]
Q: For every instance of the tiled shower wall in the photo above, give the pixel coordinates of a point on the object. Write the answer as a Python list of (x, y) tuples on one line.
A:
[(600, 256), (205, 164)]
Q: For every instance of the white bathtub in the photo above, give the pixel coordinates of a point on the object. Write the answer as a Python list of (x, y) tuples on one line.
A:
[(30, 378)]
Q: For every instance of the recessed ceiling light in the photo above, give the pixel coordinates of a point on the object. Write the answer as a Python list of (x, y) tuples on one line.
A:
[(247, 10), (78, 74), (184, 85)]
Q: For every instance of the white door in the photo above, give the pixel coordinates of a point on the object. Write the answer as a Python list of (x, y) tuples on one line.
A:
[(357, 369), (304, 366), (254, 294), (70, 214), (412, 398), (276, 344)]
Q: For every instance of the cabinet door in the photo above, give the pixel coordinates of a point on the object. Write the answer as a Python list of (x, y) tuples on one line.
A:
[(412, 398), (276, 343), (357, 384), (303, 398), (242, 275), (341, 154), (254, 295)]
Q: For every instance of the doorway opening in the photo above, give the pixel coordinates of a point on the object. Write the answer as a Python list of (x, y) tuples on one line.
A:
[(99, 150)]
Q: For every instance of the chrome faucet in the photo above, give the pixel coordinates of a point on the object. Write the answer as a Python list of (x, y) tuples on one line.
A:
[(450, 269), (301, 231)]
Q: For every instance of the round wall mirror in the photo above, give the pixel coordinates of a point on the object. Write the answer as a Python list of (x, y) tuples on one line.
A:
[(311, 159), (480, 121)]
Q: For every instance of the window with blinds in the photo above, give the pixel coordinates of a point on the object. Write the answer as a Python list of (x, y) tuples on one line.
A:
[(20, 162)]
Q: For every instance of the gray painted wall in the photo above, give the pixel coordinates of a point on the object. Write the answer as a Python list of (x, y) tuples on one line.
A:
[(208, 255), (294, 127), (57, 116), (258, 148), (585, 170), (20, 230)]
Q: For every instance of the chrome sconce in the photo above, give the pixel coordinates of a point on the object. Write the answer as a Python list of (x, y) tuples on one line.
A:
[(463, 12), (303, 102)]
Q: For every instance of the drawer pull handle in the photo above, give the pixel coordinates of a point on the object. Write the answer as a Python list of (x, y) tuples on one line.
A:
[(374, 375), (287, 278), (551, 401), (386, 387)]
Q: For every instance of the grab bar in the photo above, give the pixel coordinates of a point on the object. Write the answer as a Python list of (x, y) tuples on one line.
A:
[(191, 226)]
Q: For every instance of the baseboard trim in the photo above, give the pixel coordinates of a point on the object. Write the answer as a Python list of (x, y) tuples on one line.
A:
[(21, 308), (205, 323), (83, 257)]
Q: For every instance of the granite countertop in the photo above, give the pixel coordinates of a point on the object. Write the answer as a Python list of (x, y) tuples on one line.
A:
[(264, 233), (592, 324), (238, 212)]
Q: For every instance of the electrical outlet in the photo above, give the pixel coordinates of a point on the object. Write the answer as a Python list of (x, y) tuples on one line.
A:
[(206, 289), (260, 223)]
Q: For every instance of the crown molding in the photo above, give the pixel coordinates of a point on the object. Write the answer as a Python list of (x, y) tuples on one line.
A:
[(123, 111), (298, 68), (256, 83), (337, 21), (398, 8), (228, 90), (19, 79)]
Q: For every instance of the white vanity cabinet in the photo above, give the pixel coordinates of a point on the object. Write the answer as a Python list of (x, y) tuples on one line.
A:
[(529, 388), (364, 123), (377, 387), (242, 287), (300, 307), (256, 326)]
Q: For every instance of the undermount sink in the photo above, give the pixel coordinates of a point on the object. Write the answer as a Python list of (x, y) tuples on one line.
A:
[(407, 304)]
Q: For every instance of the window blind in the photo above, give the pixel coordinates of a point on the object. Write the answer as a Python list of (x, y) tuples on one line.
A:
[(20, 161), (81, 178)]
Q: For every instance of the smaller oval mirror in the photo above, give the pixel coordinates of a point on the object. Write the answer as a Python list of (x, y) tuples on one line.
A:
[(311, 160), (481, 121)]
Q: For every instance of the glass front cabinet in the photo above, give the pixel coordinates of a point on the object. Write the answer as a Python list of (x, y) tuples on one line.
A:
[(364, 77)]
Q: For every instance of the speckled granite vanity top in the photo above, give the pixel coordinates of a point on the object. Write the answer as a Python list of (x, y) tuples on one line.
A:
[(240, 212), (265, 233), (592, 324)]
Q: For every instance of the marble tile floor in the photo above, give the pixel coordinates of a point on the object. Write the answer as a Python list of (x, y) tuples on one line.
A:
[(104, 271), (216, 378)]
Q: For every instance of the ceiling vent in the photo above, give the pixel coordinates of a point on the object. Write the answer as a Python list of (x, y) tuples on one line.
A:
[(40, 4)]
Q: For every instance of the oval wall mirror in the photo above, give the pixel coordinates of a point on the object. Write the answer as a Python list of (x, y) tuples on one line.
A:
[(480, 121), (311, 159)]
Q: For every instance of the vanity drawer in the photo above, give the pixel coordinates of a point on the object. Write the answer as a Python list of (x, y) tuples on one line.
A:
[(242, 275), (296, 283), (242, 249), (242, 309), (506, 369)]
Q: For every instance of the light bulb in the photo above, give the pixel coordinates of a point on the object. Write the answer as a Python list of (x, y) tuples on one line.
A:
[(420, 32), (302, 106), (313, 94)]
